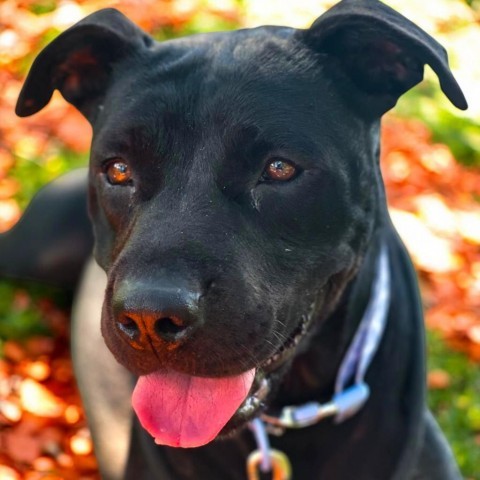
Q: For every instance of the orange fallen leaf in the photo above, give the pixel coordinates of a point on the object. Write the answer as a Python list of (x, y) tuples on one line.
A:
[(38, 370), (429, 251), (6, 161), (65, 460), (438, 379), (13, 351), (72, 414), (42, 476), (21, 445), (4, 368), (39, 346), (474, 334), (81, 442), (11, 411), (7, 473), (62, 370), (43, 464), (8, 188), (37, 399)]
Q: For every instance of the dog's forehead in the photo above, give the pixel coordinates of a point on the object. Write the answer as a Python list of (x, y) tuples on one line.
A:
[(246, 51), (256, 77), (232, 74)]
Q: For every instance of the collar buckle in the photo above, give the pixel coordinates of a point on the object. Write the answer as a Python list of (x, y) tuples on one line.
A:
[(343, 405), (301, 416)]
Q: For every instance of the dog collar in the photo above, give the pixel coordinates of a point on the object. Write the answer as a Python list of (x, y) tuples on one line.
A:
[(347, 400)]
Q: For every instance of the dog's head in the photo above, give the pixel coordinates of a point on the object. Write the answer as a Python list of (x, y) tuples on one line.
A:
[(234, 187)]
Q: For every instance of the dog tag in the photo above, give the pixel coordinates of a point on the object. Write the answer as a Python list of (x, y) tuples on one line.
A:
[(281, 468)]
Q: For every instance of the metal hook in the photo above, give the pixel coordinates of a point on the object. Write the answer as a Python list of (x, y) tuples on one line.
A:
[(281, 468)]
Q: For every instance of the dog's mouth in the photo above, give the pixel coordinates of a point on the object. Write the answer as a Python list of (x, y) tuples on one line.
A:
[(257, 398), (181, 410)]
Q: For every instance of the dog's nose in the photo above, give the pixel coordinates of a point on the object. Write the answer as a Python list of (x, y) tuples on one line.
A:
[(151, 317)]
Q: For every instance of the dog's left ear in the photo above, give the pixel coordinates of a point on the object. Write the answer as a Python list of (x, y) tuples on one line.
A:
[(79, 62), (381, 51)]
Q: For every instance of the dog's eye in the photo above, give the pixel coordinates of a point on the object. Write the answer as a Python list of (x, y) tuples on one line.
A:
[(279, 170), (118, 172)]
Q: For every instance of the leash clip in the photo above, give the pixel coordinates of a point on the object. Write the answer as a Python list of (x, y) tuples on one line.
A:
[(350, 401), (302, 416), (342, 406), (265, 458)]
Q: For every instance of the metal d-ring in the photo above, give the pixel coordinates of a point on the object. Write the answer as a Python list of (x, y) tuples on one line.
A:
[(280, 464)]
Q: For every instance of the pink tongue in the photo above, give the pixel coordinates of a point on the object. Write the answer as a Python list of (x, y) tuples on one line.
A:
[(180, 410)]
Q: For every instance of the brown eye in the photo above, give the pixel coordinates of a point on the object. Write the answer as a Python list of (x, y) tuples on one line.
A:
[(118, 172), (280, 170)]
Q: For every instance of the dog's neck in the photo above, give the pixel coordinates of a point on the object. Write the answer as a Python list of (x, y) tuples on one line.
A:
[(314, 371)]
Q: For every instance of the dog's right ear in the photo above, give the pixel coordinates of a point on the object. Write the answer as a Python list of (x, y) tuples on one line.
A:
[(380, 50), (79, 61)]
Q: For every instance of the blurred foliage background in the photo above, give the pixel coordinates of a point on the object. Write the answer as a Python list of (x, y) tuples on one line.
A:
[(431, 165)]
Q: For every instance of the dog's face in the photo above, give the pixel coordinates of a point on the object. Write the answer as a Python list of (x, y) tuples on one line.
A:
[(241, 210), (228, 178), (234, 186)]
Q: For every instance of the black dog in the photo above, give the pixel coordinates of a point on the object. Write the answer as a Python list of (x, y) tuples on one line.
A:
[(239, 213)]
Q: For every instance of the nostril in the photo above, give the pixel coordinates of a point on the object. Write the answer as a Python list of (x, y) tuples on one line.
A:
[(129, 327), (169, 328)]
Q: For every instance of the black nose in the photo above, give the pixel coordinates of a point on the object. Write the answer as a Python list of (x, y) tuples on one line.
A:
[(147, 316)]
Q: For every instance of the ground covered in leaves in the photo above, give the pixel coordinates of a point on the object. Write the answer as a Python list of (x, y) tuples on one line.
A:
[(43, 433)]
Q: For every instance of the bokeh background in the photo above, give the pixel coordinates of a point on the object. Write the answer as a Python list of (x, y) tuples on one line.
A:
[(431, 165)]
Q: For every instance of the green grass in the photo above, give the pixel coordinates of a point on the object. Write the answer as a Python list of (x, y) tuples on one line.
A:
[(33, 173), (457, 408), (20, 316), (19, 319)]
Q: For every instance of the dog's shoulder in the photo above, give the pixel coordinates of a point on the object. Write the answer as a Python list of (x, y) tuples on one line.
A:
[(53, 239), (435, 460)]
